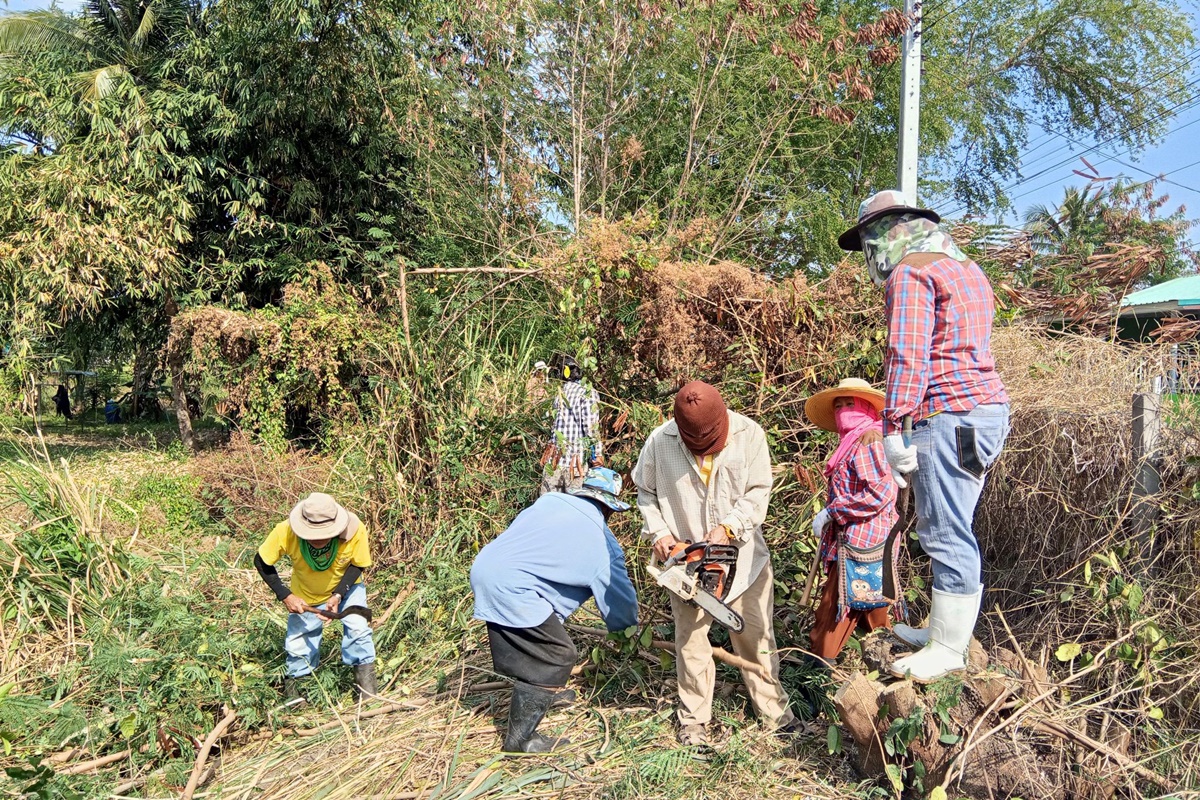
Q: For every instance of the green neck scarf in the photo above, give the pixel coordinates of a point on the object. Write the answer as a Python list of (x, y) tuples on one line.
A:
[(888, 240), (319, 560)]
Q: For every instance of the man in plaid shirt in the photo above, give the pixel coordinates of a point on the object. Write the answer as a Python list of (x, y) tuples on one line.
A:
[(575, 441), (940, 372)]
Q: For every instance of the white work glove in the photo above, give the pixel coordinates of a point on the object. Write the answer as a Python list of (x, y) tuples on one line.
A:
[(901, 458), (820, 521)]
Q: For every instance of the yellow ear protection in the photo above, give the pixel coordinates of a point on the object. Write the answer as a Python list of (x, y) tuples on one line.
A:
[(566, 372)]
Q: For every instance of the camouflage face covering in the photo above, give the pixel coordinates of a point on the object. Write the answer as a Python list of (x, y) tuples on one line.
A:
[(888, 240)]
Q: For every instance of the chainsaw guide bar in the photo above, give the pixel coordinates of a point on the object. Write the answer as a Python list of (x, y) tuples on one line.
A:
[(700, 574)]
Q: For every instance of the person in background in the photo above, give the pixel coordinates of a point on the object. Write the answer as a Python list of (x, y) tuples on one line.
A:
[(575, 444), (329, 549), (940, 373), (536, 387), (853, 526), (706, 476), (556, 554), (62, 401)]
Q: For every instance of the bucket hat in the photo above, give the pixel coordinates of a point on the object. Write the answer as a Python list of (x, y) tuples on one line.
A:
[(318, 516), (603, 484), (881, 204), (819, 407)]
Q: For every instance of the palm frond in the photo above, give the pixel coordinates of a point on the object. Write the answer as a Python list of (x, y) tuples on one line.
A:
[(146, 26), (33, 31), (98, 84)]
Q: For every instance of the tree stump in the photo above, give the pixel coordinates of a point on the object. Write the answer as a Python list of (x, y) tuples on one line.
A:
[(932, 725)]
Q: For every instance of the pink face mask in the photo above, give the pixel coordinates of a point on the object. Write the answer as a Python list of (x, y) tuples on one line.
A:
[(848, 418)]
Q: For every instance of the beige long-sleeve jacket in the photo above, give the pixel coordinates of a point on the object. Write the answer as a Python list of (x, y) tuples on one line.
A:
[(674, 500)]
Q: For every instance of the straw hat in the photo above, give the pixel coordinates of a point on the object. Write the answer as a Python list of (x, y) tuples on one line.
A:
[(318, 516), (819, 407)]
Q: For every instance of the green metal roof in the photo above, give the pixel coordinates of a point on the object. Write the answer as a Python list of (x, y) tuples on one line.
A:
[(1183, 291)]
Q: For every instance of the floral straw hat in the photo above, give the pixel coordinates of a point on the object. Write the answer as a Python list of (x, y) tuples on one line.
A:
[(819, 407)]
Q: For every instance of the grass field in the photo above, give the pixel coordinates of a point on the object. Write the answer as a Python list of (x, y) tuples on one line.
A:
[(153, 625)]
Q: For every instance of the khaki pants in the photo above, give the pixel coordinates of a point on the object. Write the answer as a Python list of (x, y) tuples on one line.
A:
[(694, 662)]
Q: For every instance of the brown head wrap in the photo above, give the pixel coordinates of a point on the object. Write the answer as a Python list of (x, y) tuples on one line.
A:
[(702, 418)]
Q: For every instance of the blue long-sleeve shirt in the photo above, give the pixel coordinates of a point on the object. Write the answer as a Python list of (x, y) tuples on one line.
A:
[(554, 556)]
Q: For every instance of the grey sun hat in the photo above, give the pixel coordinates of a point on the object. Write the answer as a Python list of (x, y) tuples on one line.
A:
[(318, 516), (881, 204), (603, 484)]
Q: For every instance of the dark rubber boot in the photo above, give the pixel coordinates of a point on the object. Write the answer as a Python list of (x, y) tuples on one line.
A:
[(564, 698), (364, 681), (529, 704), (291, 689)]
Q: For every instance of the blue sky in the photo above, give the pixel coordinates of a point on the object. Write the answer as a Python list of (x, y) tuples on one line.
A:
[(1047, 166), (25, 5)]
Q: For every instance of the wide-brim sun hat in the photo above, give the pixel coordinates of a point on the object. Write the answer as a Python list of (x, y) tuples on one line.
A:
[(318, 516), (603, 484), (819, 407), (881, 204)]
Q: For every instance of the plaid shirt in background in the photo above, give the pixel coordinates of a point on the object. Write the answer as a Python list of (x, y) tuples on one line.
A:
[(576, 424), (862, 501), (939, 354)]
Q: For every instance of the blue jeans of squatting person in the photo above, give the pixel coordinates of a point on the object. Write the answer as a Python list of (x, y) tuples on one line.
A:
[(303, 640), (953, 451)]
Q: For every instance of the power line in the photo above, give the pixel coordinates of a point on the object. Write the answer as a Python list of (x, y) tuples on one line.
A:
[(1190, 58), (1174, 110), (1132, 186)]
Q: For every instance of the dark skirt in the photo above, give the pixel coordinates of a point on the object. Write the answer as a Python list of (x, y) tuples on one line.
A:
[(543, 656)]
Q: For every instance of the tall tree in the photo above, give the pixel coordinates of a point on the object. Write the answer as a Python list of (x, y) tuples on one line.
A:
[(1103, 69)]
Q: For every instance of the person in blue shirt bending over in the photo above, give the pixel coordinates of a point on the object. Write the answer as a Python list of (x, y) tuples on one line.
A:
[(554, 556)]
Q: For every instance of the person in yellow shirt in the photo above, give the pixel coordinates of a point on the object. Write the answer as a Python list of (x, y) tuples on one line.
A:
[(328, 549)]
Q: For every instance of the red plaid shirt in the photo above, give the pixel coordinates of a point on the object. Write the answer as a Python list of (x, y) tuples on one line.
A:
[(939, 354), (862, 500)]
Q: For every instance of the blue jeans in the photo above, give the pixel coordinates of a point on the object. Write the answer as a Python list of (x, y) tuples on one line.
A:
[(303, 641), (953, 450)]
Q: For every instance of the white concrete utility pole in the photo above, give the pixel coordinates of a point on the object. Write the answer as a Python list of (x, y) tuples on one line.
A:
[(910, 103)]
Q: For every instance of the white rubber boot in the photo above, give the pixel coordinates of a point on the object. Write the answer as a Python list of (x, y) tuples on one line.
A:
[(951, 623), (913, 637), (917, 637)]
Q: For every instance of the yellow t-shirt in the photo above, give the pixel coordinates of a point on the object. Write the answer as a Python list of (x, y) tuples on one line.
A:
[(706, 469), (309, 585)]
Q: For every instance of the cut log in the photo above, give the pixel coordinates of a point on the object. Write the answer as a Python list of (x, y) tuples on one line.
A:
[(857, 703), (900, 699)]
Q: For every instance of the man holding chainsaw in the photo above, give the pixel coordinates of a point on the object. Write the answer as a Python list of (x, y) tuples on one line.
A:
[(554, 556), (941, 374), (705, 477), (328, 548)]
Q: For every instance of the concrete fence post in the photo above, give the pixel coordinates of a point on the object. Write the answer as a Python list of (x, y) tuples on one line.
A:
[(1147, 420)]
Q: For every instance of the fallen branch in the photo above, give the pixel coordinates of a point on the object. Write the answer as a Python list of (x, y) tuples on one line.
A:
[(470, 270), (337, 723), (95, 763), (135, 783), (722, 655), (401, 596), (205, 749), (718, 653), (1071, 735)]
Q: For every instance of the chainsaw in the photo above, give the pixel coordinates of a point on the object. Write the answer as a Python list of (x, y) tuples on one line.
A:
[(701, 574)]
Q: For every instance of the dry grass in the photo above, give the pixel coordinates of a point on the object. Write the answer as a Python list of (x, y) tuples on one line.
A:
[(448, 748)]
